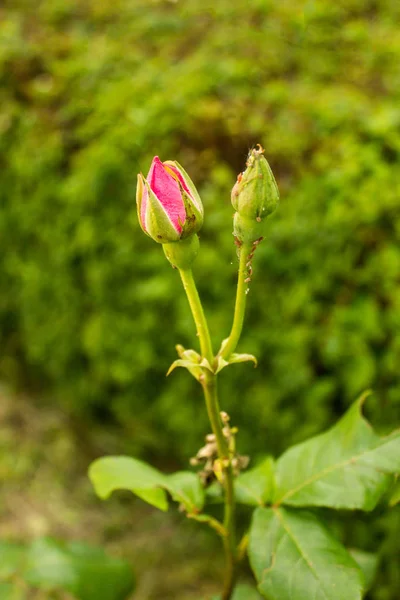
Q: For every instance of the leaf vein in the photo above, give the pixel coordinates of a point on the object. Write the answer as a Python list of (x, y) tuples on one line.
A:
[(327, 471), (301, 551)]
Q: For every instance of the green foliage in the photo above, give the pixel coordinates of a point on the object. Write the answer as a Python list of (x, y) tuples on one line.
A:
[(89, 93), (121, 472), (98, 92), (348, 467), (84, 571), (368, 564), (185, 488), (294, 557), (124, 473), (395, 497), (8, 592), (256, 486)]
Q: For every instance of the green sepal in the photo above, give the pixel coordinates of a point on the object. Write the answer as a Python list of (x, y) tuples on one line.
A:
[(194, 217), (234, 358), (182, 253), (157, 222), (190, 360), (206, 365), (255, 195), (195, 370), (139, 199)]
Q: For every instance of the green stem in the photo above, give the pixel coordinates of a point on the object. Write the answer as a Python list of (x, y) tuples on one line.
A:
[(211, 397), (209, 384), (240, 304), (198, 314), (230, 540)]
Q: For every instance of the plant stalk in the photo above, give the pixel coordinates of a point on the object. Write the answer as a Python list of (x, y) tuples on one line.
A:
[(209, 385), (245, 256), (196, 307)]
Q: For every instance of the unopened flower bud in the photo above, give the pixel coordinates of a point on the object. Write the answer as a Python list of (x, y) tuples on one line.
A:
[(255, 196), (169, 207)]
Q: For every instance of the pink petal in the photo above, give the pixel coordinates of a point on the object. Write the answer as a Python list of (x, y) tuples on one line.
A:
[(166, 188), (181, 179)]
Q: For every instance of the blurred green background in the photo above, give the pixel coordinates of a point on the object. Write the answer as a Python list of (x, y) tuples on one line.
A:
[(90, 310)]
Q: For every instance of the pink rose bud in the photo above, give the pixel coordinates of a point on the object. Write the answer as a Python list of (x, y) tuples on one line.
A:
[(169, 207)]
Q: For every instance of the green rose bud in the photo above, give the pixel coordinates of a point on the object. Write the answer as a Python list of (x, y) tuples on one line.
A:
[(255, 196)]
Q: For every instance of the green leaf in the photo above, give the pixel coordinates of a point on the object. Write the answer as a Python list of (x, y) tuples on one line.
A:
[(49, 565), (185, 487), (125, 473), (255, 487), (11, 558), (368, 563), (346, 467), (85, 571), (395, 495), (214, 493), (294, 557), (9, 591)]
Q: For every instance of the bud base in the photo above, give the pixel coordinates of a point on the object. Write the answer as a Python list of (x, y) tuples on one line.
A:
[(182, 253), (247, 230)]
